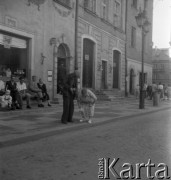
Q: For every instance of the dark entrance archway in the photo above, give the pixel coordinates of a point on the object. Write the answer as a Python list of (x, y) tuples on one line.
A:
[(63, 55), (104, 75), (88, 63), (116, 66), (131, 82)]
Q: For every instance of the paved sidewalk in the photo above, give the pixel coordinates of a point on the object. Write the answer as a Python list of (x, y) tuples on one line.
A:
[(44, 122)]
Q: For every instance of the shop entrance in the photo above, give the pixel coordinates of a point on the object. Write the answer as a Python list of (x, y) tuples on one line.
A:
[(13, 56)]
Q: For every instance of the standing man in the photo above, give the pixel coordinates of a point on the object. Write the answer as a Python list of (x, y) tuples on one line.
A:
[(69, 93)]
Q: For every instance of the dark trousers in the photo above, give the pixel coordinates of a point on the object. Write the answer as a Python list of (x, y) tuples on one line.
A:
[(2, 93), (45, 96), (68, 109), (14, 98)]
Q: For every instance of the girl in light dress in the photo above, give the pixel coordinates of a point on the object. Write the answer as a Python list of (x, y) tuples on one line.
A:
[(86, 104)]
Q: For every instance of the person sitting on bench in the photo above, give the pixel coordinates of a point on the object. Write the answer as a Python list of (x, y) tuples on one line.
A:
[(2, 88), (21, 88), (12, 86), (6, 100), (35, 91), (42, 86)]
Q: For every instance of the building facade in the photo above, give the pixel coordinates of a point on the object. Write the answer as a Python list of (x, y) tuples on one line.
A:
[(101, 44), (37, 39), (162, 66), (134, 44)]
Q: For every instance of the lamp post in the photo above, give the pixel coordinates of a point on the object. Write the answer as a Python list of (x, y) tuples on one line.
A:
[(143, 23)]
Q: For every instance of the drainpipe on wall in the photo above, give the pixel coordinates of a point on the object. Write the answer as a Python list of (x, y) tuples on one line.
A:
[(76, 45), (76, 31), (126, 61)]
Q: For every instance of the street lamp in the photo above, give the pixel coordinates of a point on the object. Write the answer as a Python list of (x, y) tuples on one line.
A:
[(143, 23)]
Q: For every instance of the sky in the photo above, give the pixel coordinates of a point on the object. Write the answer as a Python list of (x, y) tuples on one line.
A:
[(161, 23)]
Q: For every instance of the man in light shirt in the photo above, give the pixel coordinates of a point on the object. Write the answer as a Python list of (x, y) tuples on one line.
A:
[(2, 88), (21, 87)]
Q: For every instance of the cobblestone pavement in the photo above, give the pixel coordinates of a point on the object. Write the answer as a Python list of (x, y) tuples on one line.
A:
[(74, 155), (27, 123)]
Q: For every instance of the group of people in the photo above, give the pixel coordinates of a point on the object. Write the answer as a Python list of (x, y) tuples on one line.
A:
[(85, 98), (13, 93), (150, 90)]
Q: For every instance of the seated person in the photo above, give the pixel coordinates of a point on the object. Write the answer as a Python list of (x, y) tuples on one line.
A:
[(6, 100), (12, 86), (35, 91), (42, 86), (2, 88), (21, 88)]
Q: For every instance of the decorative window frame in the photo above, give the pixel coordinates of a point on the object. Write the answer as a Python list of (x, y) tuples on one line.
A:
[(104, 8), (93, 4), (135, 5), (133, 37), (68, 6), (117, 14)]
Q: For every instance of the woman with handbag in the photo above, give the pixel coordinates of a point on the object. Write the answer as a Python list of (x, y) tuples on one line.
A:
[(86, 104)]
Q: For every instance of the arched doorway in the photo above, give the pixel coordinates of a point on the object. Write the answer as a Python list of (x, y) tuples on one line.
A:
[(131, 82), (63, 55), (88, 63), (116, 68)]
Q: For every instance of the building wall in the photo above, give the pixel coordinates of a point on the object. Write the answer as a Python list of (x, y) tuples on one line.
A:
[(134, 55), (162, 66), (106, 38), (39, 26)]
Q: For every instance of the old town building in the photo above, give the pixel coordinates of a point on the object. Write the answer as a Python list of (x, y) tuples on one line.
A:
[(39, 38), (134, 44), (162, 66), (101, 39)]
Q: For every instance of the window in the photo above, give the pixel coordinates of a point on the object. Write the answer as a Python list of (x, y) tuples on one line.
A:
[(90, 5), (104, 9), (145, 4), (134, 3), (66, 3), (133, 37), (117, 14)]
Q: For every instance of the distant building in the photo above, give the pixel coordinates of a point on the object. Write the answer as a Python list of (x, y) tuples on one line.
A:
[(162, 66)]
